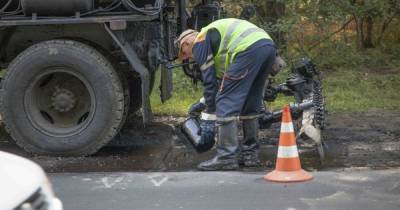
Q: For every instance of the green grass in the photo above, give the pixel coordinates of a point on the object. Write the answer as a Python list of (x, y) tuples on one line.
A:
[(373, 84), (355, 91), (184, 94), (2, 73)]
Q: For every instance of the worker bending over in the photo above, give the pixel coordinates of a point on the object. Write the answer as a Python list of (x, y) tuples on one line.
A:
[(241, 55)]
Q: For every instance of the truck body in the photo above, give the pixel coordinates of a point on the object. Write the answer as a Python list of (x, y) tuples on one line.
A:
[(75, 69)]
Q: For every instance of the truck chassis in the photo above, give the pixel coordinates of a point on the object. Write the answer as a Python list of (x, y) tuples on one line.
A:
[(72, 81)]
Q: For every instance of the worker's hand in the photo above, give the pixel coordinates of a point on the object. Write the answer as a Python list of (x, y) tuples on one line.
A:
[(196, 109), (266, 120), (270, 93), (207, 131)]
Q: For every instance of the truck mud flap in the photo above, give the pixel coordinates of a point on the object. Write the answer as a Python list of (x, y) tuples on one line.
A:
[(166, 86), (137, 65)]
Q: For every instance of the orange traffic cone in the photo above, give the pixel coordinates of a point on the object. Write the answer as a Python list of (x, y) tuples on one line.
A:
[(288, 167)]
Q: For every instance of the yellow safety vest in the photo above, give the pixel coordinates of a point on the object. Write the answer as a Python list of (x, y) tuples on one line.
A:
[(236, 36)]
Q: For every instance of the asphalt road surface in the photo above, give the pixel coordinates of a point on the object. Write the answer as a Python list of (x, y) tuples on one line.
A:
[(348, 189), (110, 179), (352, 140)]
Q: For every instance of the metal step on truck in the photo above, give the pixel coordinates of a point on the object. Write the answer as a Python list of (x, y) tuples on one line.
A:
[(75, 69)]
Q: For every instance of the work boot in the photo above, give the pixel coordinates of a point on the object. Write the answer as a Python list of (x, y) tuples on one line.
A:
[(248, 156), (227, 149)]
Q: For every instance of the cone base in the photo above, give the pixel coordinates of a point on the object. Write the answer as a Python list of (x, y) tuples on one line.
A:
[(288, 176)]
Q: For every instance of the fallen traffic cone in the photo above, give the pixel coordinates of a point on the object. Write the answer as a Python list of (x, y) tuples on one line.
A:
[(288, 167)]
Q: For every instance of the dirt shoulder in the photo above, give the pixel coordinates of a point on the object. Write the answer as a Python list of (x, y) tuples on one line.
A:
[(352, 140)]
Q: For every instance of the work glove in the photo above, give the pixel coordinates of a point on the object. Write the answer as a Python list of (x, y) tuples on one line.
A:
[(265, 121), (207, 133), (270, 93), (196, 109)]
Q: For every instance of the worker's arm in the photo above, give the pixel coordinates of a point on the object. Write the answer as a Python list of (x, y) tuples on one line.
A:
[(203, 54)]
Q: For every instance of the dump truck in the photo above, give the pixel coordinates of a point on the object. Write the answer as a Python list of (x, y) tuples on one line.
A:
[(75, 69)]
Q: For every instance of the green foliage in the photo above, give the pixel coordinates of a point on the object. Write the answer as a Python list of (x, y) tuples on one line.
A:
[(334, 35), (348, 89), (311, 28)]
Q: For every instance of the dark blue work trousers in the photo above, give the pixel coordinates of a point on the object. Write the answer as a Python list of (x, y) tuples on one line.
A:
[(242, 87)]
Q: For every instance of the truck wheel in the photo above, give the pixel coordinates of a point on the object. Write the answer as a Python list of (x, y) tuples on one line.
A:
[(62, 98), (126, 94)]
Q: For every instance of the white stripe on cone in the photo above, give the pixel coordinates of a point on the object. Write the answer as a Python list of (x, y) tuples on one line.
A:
[(288, 152), (287, 127)]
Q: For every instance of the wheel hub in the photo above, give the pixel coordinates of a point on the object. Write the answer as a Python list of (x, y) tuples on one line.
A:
[(63, 100)]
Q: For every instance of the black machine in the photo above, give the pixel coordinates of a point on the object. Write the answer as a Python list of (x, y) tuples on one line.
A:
[(305, 85), (60, 8), (62, 102), (135, 37)]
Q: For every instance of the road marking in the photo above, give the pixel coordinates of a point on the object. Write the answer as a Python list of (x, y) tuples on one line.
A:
[(107, 184), (353, 178), (158, 179), (395, 186), (104, 180)]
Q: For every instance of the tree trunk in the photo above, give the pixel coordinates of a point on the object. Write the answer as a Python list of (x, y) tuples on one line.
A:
[(368, 23), (273, 11), (359, 32), (385, 25)]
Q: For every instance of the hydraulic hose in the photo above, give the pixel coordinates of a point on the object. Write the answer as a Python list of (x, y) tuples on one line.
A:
[(6, 6), (132, 7), (113, 5), (273, 117)]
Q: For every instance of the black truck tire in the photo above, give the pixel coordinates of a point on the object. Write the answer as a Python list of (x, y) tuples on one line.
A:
[(62, 98)]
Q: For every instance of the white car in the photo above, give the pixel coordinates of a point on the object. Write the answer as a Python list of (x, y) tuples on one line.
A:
[(24, 185)]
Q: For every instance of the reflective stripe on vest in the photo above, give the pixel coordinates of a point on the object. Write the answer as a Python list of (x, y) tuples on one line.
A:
[(237, 41), (236, 36), (227, 37)]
